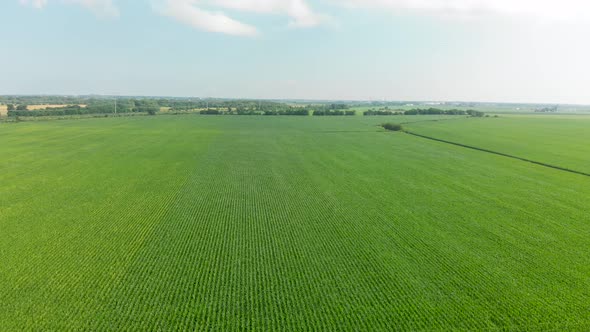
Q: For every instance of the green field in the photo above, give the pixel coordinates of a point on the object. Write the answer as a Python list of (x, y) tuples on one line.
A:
[(557, 140), (292, 223)]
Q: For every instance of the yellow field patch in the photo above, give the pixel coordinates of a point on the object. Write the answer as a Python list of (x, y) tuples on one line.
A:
[(41, 107), (4, 108)]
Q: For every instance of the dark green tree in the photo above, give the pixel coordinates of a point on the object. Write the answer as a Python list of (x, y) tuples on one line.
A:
[(392, 126)]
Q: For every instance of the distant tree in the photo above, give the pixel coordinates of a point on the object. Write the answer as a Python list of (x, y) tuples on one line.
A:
[(476, 114), (10, 107), (22, 108), (392, 126)]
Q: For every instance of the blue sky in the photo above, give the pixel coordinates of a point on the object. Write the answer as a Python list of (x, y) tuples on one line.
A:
[(477, 50)]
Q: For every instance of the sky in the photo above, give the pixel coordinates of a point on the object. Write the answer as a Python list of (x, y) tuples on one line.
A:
[(533, 51)]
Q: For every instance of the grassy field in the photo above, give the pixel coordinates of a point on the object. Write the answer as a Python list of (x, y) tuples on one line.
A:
[(557, 140), (286, 223)]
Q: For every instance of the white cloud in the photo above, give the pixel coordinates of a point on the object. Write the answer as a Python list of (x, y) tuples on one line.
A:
[(186, 12), (197, 13), (298, 10), (538, 9), (102, 8)]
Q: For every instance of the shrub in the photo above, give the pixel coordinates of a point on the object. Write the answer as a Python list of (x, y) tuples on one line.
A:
[(476, 114), (392, 126), (210, 112)]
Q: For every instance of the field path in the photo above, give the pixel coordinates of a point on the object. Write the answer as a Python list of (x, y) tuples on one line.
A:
[(558, 141), (498, 153)]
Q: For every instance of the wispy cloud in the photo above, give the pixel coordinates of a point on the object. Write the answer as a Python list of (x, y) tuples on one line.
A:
[(102, 8), (538, 9), (215, 15), (209, 15), (298, 11), (186, 12)]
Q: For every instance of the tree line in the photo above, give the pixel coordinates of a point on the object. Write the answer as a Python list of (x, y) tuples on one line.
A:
[(105, 105), (17, 106), (425, 111), (328, 112), (301, 112), (97, 108)]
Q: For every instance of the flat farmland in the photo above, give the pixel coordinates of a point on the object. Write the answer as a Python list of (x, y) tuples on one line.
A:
[(285, 223), (557, 140)]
